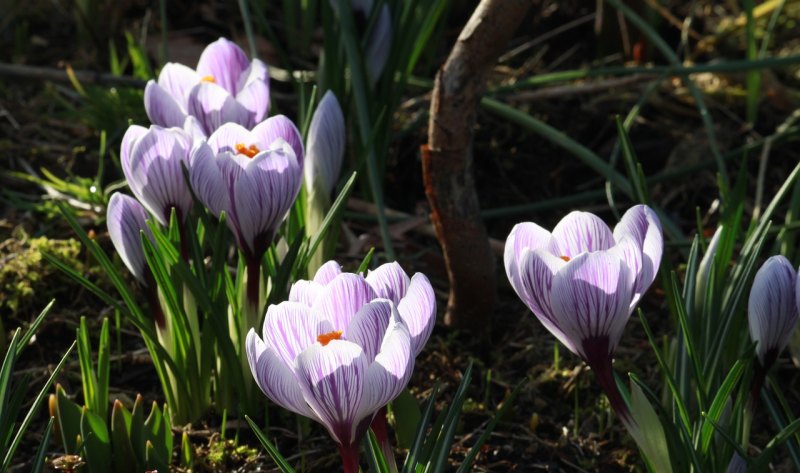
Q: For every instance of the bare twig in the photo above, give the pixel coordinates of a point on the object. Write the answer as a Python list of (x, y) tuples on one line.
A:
[(21, 72), (447, 161)]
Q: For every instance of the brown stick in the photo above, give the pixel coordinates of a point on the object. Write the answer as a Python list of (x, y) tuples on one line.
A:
[(22, 72), (447, 161)]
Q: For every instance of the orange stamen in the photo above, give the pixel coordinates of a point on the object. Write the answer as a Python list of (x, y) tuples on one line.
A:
[(248, 151), (326, 338), (208, 79), (565, 258)]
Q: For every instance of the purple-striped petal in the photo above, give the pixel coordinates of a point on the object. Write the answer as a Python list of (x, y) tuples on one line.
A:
[(537, 271), (342, 298), (290, 327), (126, 219), (276, 380), (327, 272), (590, 298), (161, 107), (389, 374), (213, 106), (772, 310), (305, 292), (630, 252), (132, 134), (177, 80), (279, 127), (389, 281), (207, 180), (643, 225), (193, 128), (368, 326), (263, 194), (523, 235), (326, 143), (580, 232), (252, 90), (332, 380), (155, 173), (225, 62), (417, 309)]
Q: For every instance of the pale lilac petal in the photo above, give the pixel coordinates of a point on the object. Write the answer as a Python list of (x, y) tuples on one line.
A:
[(226, 137), (772, 310), (327, 272), (276, 380), (523, 235), (342, 298), (290, 327), (326, 143), (590, 298), (417, 309), (177, 80), (630, 252), (389, 374), (133, 133), (256, 72), (379, 43), (368, 326), (255, 98), (161, 107), (332, 380), (225, 62), (389, 281), (193, 128), (207, 180), (126, 219), (537, 270), (263, 194), (280, 127), (213, 106), (643, 225), (580, 232), (305, 292), (155, 174)]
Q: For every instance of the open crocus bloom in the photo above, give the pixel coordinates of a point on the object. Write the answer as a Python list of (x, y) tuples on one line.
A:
[(413, 296), (772, 310), (226, 87), (152, 161), (337, 357), (582, 281), (253, 176), (126, 220)]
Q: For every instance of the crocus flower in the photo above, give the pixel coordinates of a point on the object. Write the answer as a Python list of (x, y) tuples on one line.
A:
[(253, 176), (126, 220), (772, 310), (152, 161), (582, 281), (225, 87), (325, 145), (338, 356)]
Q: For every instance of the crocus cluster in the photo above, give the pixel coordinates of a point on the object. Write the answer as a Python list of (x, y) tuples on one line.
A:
[(342, 347), (582, 281)]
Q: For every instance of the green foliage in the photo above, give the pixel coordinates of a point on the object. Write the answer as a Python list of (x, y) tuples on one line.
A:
[(14, 394), (130, 443)]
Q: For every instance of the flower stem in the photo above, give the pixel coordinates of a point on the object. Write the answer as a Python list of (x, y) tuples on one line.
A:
[(380, 428), (599, 360), (253, 289), (349, 456)]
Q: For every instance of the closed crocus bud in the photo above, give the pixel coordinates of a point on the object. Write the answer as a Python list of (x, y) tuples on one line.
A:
[(152, 161), (338, 360), (380, 39), (253, 176), (225, 87), (325, 145), (704, 271), (772, 310), (126, 220)]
